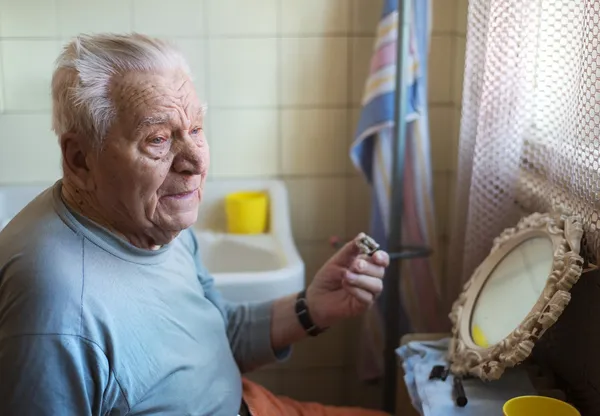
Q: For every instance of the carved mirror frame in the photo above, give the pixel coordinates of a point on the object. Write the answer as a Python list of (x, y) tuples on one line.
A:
[(488, 363)]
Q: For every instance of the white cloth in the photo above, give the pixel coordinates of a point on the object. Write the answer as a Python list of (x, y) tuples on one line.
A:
[(434, 397)]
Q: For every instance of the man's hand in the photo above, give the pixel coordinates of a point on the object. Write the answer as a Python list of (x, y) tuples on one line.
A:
[(346, 285)]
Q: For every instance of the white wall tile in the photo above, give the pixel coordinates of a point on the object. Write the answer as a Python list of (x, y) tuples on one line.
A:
[(92, 16), (28, 66), (314, 141), (314, 255), (444, 15), (459, 69), (315, 17), (317, 207), (362, 52), (354, 328), (461, 16), (442, 131), (244, 142), (440, 69), (457, 118), (314, 71), (207, 126), (444, 215), (174, 18), (195, 53), (366, 15), (358, 203), (242, 17), (28, 18), (440, 199), (30, 151), (451, 201), (243, 72)]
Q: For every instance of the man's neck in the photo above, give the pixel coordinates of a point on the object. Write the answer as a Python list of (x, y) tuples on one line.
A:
[(80, 202)]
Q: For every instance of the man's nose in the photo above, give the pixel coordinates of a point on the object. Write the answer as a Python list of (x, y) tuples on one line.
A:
[(190, 158)]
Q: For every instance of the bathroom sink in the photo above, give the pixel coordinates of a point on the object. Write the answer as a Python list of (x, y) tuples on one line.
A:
[(249, 267), (226, 254), (245, 267)]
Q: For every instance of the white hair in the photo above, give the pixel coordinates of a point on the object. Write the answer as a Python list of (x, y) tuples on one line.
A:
[(81, 81)]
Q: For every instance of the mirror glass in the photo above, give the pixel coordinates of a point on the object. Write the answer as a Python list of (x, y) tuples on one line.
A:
[(511, 290)]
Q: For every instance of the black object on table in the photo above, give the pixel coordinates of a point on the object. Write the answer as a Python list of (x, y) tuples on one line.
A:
[(439, 372), (459, 392)]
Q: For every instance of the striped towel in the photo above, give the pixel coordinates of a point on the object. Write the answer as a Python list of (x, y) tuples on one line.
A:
[(372, 152)]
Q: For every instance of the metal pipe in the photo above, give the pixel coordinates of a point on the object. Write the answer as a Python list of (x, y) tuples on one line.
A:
[(391, 306)]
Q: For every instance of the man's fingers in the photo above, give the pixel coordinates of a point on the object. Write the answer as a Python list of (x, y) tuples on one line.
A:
[(350, 251), (373, 285), (364, 265), (361, 295), (381, 258)]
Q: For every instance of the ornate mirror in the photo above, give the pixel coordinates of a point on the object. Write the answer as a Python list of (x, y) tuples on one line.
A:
[(515, 295)]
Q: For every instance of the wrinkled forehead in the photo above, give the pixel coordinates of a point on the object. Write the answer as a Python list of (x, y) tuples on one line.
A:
[(140, 96)]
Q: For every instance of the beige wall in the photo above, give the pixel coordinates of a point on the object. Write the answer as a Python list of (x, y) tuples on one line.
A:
[(445, 81), (281, 78)]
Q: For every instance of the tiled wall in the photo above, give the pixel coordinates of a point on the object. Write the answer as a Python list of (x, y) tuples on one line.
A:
[(283, 81)]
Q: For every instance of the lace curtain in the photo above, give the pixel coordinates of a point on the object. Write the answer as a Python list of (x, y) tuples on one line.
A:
[(530, 141), (530, 128)]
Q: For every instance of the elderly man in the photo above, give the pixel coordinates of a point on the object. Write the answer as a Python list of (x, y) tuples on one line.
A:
[(105, 307)]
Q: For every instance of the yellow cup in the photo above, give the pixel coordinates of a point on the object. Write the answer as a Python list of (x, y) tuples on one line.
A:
[(246, 212), (538, 405)]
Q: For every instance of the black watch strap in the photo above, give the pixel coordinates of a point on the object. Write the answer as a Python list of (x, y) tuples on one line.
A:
[(304, 316)]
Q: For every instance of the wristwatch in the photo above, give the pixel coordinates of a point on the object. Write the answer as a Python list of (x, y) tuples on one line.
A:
[(304, 316)]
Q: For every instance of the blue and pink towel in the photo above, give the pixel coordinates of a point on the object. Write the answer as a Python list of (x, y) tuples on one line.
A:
[(372, 152)]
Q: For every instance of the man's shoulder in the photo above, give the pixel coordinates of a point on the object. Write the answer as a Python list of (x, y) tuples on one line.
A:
[(39, 251), (39, 293), (37, 226), (40, 272)]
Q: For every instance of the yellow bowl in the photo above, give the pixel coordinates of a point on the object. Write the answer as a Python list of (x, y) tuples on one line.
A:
[(538, 405), (246, 212)]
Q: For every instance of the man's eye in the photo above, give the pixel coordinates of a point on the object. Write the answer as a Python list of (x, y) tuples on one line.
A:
[(196, 131), (158, 140)]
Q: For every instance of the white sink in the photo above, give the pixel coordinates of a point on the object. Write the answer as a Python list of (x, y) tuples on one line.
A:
[(249, 267), (245, 267)]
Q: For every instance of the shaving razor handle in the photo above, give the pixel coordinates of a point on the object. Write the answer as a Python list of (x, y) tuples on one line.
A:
[(367, 245)]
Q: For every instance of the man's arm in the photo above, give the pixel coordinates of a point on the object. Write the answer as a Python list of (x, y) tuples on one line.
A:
[(250, 326), (55, 375), (346, 286), (262, 332)]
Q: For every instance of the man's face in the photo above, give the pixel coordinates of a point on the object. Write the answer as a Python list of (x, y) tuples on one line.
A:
[(151, 170)]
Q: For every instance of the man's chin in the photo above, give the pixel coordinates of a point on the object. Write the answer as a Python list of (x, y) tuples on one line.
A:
[(179, 222)]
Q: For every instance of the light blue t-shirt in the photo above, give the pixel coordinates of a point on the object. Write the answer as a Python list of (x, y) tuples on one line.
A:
[(91, 325)]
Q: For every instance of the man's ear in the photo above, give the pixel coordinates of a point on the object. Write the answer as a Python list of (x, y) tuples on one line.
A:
[(76, 151)]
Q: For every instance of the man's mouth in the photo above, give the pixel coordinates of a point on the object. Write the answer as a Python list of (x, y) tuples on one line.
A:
[(183, 195)]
